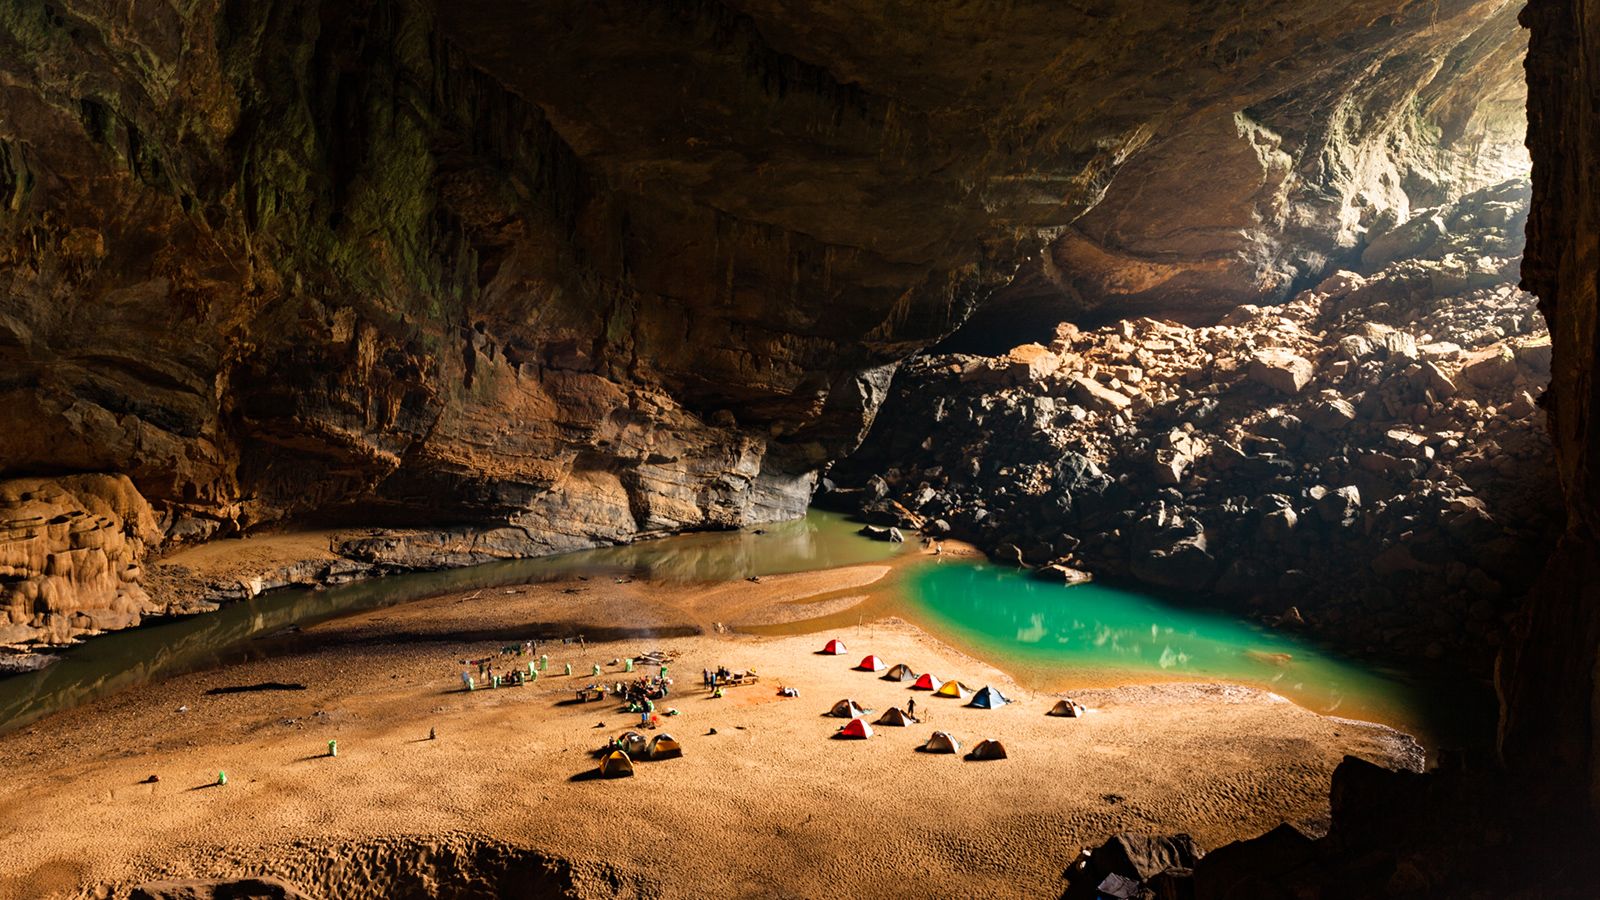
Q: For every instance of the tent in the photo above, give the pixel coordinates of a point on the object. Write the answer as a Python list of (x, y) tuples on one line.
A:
[(942, 742), (901, 672), (665, 746), (616, 765), (856, 728), (894, 715), (872, 664), (633, 743), (955, 689), (846, 709), (988, 698), (834, 647), (1070, 709), (926, 683), (988, 750)]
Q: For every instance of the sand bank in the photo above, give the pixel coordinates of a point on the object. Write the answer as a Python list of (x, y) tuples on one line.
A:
[(768, 806)]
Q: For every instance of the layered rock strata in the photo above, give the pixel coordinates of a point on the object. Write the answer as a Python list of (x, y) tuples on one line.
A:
[(568, 273)]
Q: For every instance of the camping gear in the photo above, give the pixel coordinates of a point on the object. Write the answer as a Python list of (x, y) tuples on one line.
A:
[(1070, 709), (834, 647), (856, 728), (894, 715), (665, 746), (954, 689), (872, 664), (988, 698), (988, 749), (847, 709), (927, 683), (942, 742), (616, 764), (633, 743), (901, 672)]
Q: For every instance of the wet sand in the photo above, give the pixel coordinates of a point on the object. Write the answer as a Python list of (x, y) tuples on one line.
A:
[(768, 806)]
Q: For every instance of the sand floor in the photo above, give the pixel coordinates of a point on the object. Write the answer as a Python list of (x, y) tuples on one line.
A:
[(769, 806)]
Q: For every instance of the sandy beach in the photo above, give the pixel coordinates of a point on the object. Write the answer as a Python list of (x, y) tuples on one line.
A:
[(768, 806)]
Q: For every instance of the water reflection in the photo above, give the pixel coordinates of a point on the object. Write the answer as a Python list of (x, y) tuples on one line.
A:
[(1054, 635), (119, 660)]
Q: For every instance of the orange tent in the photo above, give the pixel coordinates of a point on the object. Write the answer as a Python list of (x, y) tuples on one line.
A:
[(872, 664), (955, 689), (834, 647), (926, 683), (856, 728)]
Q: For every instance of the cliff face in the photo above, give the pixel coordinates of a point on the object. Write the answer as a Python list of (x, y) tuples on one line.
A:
[(1550, 688), (570, 272)]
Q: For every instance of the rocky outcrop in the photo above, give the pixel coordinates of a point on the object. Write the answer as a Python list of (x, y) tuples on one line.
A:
[(71, 550), (573, 272), (1369, 457), (1549, 677)]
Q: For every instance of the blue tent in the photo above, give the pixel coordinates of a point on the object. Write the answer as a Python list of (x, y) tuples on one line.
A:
[(988, 698)]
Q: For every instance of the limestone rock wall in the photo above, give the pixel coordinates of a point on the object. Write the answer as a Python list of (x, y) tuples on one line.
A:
[(575, 271), (71, 550), (1550, 675)]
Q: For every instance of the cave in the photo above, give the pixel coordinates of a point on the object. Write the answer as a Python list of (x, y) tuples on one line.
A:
[(352, 343)]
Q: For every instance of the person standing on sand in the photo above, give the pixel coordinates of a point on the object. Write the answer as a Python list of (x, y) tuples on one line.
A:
[(911, 706)]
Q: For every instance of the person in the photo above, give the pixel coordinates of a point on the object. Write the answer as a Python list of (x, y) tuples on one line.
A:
[(911, 707), (432, 734)]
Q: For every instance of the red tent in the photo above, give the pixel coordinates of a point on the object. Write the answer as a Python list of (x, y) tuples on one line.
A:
[(872, 664), (835, 647), (857, 728), (927, 683)]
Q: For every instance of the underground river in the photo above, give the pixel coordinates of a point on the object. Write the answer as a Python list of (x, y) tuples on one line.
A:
[(1048, 636)]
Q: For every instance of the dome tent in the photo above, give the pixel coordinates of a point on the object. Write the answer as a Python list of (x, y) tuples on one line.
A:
[(900, 672), (834, 647), (942, 742), (856, 728), (847, 709), (872, 664), (988, 698)]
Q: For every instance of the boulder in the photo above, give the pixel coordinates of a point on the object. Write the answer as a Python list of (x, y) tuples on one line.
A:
[(1031, 362), (1494, 369), (1183, 564), (1281, 370), (1097, 396)]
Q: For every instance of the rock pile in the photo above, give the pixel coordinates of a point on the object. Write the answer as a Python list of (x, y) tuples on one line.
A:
[(1368, 460)]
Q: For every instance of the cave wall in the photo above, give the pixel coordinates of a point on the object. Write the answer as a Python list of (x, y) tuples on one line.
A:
[(1549, 682), (578, 271)]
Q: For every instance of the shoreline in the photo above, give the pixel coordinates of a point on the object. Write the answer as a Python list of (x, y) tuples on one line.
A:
[(1222, 762), (877, 597)]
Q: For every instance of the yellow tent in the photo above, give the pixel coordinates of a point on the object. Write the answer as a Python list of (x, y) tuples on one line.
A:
[(954, 689), (665, 746), (616, 765)]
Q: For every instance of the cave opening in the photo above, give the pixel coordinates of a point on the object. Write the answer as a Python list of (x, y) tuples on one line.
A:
[(1196, 337)]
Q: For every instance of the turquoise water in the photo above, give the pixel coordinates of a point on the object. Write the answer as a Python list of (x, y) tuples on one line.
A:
[(119, 660), (1057, 636)]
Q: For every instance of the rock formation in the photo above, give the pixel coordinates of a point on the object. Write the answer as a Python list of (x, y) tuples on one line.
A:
[(1369, 455), (1549, 680), (567, 273), (70, 551)]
